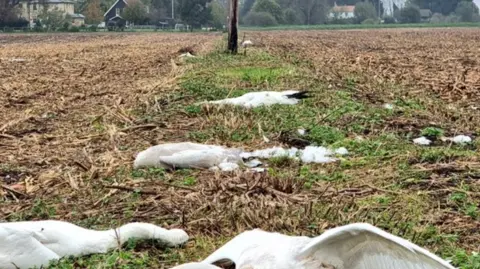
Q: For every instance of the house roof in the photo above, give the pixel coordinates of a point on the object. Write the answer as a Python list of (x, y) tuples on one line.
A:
[(77, 16), (114, 4), (343, 9), (50, 1)]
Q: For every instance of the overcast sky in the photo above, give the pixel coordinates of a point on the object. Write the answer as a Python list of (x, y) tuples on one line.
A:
[(477, 2)]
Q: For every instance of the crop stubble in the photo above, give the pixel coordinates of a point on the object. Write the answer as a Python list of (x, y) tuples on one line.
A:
[(69, 126)]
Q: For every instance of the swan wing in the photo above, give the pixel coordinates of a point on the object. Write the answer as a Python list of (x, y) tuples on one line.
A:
[(149, 157), (232, 251), (193, 159), (362, 246), (20, 248)]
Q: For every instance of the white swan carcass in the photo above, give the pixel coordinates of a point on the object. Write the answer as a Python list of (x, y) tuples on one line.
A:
[(29, 244), (247, 43), (354, 246), (186, 155), (265, 98)]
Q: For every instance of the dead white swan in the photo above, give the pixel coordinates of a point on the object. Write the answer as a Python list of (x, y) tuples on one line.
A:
[(31, 244), (265, 98), (186, 155), (247, 43), (193, 155), (354, 246)]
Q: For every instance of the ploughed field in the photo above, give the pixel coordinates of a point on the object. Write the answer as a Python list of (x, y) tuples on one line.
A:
[(76, 108)]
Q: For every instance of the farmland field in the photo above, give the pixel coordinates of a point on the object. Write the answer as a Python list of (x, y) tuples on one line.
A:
[(76, 108)]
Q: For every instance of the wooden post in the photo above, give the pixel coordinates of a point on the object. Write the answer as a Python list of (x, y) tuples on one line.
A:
[(233, 27)]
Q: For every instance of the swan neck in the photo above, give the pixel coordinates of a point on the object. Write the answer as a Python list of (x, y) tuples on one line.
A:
[(129, 231)]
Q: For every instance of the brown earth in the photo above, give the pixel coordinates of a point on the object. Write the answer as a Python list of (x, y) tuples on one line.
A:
[(75, 109)]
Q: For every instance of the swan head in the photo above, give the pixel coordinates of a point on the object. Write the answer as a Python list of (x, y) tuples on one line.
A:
[(145, 158)]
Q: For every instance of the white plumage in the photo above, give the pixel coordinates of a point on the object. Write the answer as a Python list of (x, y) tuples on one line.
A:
[(247, 43), (193, 155), (354, 246), (265, 98), (186, 155), (35, 243), (422, 141), (461, 139)]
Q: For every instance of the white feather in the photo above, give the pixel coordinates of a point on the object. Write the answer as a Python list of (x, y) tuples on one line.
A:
[(228, 167), (461, 139), (256, 99), (422, 141), (388, 106), (35, 243)]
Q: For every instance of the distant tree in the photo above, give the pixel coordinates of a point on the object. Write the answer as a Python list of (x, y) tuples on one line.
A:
[(269, 6), (195, 12), (8, 12), (106, 4), (219, 14), (363, 11), (313, 11), (260, 19), (135, 12), (410, 14), (452, 18), (93, 13), (370, 21), (444, 7), (246, 7), (437, 18), (52, 19), (467, 11), (162, 9), (292, 17), (389, 20), (155, 15)]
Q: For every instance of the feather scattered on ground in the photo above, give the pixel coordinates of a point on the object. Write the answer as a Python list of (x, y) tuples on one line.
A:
[(423, 141)]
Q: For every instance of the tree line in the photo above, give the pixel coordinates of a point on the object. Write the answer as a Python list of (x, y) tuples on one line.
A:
[(306, 12), (213, 13)]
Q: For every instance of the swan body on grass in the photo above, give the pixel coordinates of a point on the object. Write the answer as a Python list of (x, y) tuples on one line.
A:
[(264, 98), (30, 244), (186, 155), (193, 155), (354, 246)]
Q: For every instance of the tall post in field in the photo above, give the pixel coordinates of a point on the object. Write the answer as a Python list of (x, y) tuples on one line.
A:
[(233, 27)]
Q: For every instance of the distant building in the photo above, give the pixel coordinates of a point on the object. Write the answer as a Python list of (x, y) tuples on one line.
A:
[(31, 9), (342, 12), (77, 19), (114, 13)]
